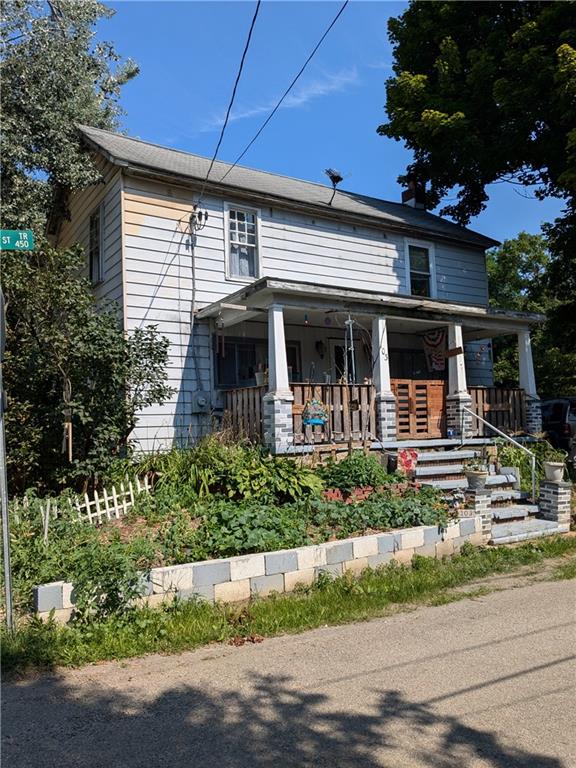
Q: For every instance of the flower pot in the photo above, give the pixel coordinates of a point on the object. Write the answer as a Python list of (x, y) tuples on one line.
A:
[(554, 471), (476, 478), (261, 378)]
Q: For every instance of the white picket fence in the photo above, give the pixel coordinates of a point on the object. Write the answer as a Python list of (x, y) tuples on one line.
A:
[(101, 507)]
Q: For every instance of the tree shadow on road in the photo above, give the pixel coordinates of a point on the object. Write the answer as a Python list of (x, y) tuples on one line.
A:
[(266, 721)]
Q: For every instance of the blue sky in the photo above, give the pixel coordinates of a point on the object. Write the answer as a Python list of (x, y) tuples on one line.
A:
[(188, 54)]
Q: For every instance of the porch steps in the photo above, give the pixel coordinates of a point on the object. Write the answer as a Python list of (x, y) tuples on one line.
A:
[(493, 481), (425, 457), (499, 497), (523, 530), (514, 512)]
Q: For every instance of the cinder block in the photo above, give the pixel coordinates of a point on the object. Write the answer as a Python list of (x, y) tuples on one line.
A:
[(426, 550), (432, 534), (404, 555), (476, 538), (172, 578), (382, 558), (409, 538), (210, 572), (281, 562), (338, 552), (60, 616), (246, 567), (293, 578), (385, 543), (48, 597), (232, 591), (457, 542), (198, 593), (311, 557), (467, 526), (264, 585), (67, 595), (334, 569), (445, 548), (356, 566), (365, 546), (452, 531)]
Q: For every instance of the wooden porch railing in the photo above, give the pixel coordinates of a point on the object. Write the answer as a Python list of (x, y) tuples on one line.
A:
[(503, 407), (243, 408), (351, 413)]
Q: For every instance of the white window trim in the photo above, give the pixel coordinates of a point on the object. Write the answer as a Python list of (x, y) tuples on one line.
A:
[(258, 260), (432, 261), (100, 210)]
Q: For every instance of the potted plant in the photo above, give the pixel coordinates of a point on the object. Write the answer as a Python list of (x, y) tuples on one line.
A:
[(476, 474), (554, 466)]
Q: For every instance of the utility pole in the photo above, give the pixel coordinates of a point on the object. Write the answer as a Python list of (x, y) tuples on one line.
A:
[(4, 481)]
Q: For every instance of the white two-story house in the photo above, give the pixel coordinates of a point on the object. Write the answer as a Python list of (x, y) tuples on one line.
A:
[(296, 320)]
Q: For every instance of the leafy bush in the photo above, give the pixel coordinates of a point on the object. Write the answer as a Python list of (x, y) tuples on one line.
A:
[(357, 470), (233, 470), (511, 456)]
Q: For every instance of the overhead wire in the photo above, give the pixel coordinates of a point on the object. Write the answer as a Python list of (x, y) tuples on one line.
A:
[(232, 98), (287, 91)]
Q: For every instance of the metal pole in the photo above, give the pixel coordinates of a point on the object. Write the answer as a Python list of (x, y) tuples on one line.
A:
[(4, 484)]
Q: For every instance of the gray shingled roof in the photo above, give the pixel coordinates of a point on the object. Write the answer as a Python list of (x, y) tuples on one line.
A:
[(123, 150)]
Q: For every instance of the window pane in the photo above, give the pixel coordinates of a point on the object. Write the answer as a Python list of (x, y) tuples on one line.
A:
[(242, 261), (243, 243), (419, 260), (420, 284)]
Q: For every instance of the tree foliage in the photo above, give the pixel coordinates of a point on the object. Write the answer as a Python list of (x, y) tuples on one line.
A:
[(66, 354), (485, 92), (54, 76), (522, 277)]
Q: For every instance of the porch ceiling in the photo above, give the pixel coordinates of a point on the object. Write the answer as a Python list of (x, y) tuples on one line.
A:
[(406, 313)]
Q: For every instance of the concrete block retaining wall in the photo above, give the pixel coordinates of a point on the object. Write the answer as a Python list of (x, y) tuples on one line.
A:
[(238, 578)]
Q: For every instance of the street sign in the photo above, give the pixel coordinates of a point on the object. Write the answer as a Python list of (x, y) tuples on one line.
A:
[(16, 240)]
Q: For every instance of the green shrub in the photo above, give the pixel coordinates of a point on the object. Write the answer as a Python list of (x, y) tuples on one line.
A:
[(511, 456), (233, 470), (357, 470)]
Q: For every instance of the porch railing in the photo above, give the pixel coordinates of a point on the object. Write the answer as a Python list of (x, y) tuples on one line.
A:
[(243, 408), (501, 407), (351, 413)]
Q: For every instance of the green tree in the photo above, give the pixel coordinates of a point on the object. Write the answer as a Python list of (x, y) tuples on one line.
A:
[(485, 92), (54, 76), (67, 359), (519, 279)]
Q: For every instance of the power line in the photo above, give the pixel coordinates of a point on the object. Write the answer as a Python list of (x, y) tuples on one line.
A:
[(287, 91), (238, 76)]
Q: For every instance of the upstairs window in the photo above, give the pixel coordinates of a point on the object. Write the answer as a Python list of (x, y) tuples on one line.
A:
[(420, 270), (243, 243), (96, 246)]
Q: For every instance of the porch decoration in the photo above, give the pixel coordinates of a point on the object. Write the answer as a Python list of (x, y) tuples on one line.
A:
[(407, 460), (314, 413), (434, 342)]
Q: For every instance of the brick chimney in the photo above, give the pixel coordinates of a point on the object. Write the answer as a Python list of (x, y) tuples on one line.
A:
[(415, 194)]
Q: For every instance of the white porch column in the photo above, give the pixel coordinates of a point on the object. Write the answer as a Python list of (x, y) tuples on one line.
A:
[(527, 378), (528, 383), (456, 365), (458, 421), (385, 400), (277, 362), (277, 402)]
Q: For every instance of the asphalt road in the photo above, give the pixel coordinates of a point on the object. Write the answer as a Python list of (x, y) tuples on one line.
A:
[(483, 682)]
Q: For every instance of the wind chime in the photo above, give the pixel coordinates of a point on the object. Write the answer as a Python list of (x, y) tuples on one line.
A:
[(67, 434)]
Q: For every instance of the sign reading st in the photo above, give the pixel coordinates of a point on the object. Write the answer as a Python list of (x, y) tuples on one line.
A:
[(16, 240)]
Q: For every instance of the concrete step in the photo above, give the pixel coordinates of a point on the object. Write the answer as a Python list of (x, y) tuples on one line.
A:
[(443, 469), (498, 482), (524, 530), (514, 511), (447, 442), (451, 457), (509, 495)]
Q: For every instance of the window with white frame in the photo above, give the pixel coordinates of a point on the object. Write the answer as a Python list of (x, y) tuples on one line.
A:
[(243, 243), (420, 266), (96, 245)]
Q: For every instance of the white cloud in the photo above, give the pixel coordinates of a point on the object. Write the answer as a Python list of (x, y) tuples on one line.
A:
[(331, 83)]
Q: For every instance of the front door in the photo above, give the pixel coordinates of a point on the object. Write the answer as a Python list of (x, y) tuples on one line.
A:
[(420, 408)]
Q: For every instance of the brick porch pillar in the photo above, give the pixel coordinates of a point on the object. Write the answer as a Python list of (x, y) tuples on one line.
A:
[(480, 501), (554, 503)]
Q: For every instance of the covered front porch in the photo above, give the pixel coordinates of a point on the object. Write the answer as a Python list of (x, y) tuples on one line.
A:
[(302, 365)]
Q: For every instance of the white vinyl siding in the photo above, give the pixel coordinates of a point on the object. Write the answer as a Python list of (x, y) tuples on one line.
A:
[(96, 246)]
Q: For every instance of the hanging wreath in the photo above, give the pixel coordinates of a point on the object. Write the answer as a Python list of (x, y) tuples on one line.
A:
[(315, 412)]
